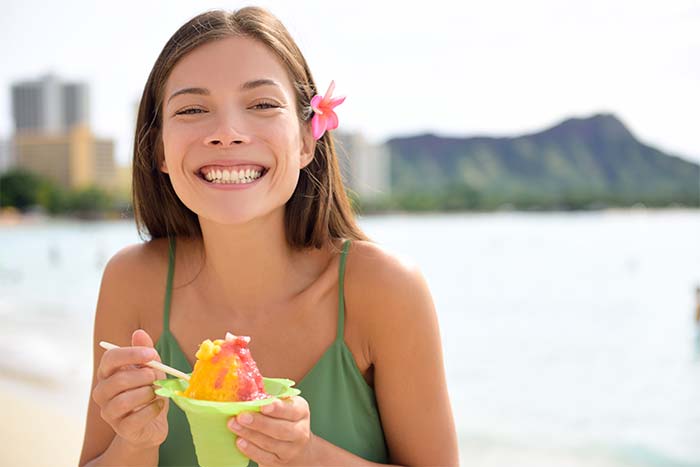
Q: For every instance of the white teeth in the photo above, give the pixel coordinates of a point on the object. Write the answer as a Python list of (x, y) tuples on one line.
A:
[(233, 176)]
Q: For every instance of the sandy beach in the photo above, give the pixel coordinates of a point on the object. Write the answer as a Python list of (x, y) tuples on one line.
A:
[(37, 434)]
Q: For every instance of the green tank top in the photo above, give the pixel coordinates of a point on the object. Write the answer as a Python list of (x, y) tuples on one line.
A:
[(343, 406)]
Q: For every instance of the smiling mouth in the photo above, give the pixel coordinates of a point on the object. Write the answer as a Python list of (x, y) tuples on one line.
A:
[(231, 176)]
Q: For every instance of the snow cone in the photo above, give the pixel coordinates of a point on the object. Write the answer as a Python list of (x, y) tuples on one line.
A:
[(225, 382)]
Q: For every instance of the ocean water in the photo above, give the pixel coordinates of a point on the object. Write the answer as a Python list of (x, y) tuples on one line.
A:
[(569, 338)]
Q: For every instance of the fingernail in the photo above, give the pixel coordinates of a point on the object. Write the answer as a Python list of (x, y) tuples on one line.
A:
[(234, 426), (266, 408), (149, 354), (242, 443), (245, 419)]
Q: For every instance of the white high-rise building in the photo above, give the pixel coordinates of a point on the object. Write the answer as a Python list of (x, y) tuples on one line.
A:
[(49, 106), (365, 166)]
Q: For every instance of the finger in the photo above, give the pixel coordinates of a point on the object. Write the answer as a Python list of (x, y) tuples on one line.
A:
[(257, 453), (292, 408), (143, 339), (115, 359), (276, 428), (127, 402), (265, 441), (123, 381), (140, 418)]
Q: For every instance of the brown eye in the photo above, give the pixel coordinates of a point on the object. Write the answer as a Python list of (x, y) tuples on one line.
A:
[(190, 111), (265, 105)]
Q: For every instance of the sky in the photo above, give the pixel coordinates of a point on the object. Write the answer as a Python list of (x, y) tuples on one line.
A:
[(494, 68)]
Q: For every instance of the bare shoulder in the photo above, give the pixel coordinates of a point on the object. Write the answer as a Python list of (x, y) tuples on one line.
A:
[(389, 295), (139, 262), (373, 262), (139, 258), (399, 319), (124, 297), (130, 278), (384, 281)]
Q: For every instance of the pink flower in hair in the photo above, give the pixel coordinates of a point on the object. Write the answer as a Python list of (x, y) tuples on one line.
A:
[(324, 116)]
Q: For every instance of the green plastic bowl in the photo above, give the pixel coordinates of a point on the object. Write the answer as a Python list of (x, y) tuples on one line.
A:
[(214, 443)]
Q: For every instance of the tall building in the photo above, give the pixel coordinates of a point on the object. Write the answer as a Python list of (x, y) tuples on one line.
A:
[(49, 105), (52, 134), (365, 166), (75, 159)]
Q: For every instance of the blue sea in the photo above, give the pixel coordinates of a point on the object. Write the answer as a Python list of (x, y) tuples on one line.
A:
[(569, 338)]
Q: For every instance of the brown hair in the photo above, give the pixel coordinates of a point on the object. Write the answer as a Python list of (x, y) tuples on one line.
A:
[(319, 208)]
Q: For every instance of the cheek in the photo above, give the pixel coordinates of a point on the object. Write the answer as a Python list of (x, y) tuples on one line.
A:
[(290, 139), (173, 136), (175, 139), (169, 148)]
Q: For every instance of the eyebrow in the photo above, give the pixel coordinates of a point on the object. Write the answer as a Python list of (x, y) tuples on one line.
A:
[(248, 85)]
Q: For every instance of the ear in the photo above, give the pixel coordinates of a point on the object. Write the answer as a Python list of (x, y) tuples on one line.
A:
[(164, 166), (308, 146)]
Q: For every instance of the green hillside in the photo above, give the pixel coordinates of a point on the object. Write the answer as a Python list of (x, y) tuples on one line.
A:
[(579, 162)]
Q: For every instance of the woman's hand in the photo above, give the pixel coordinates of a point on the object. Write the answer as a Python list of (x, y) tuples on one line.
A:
[(124, 393), (278, 435)]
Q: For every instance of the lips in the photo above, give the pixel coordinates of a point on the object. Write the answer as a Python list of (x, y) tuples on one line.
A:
[(232, 165)]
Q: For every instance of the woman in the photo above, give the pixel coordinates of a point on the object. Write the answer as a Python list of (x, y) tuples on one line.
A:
[(236, 185)]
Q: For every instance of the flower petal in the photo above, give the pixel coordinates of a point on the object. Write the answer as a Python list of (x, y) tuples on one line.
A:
[(315, 101), (318, 126), (329, 93), (331, 88), (336, 101), (331, 120)]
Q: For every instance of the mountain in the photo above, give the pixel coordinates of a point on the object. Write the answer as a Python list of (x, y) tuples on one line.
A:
[(594, 158)]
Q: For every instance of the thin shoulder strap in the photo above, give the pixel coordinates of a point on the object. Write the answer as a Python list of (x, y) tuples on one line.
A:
[(341, 294), (169, 285)]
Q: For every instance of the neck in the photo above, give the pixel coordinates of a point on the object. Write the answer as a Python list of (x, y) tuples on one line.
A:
[(249, 269)]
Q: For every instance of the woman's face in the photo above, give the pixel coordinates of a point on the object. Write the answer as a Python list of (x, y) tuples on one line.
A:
[(229, 115)]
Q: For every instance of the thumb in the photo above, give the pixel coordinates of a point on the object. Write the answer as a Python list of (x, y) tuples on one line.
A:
[(141, 338)]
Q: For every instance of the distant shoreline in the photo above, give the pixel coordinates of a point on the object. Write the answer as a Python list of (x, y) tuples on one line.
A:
[(10, 217)]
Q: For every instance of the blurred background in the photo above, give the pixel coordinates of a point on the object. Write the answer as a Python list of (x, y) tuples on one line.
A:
[(539, 160)]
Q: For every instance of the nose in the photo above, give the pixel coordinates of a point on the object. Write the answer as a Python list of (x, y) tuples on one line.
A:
[(226, 134)]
